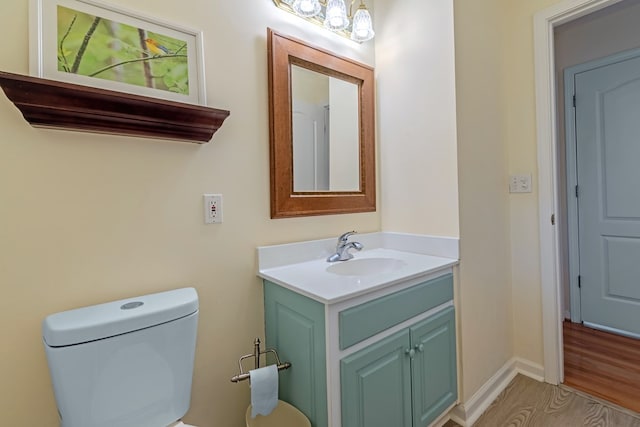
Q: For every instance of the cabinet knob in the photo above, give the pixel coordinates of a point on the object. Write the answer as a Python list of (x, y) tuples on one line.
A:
[(419, 347), (411, 352)]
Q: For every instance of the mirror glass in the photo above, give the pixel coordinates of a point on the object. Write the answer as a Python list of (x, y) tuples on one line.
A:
[(321, 123), (326, 152)]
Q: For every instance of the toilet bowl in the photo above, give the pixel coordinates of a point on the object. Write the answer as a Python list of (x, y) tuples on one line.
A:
[(284, 415)]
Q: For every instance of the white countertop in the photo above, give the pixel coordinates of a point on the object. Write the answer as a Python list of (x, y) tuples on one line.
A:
[(306, 272)]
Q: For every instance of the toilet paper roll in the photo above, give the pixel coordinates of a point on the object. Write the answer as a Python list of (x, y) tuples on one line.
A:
[(264, 390)]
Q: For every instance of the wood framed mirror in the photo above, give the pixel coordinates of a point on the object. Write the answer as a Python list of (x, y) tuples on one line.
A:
[(322, 141)]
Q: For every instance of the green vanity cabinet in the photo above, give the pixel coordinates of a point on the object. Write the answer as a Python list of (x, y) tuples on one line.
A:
[(407, 379), (387, 359)]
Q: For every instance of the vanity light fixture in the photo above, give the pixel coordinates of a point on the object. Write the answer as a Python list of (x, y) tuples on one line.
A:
[(306, 8), (334, 15), (362, 28)]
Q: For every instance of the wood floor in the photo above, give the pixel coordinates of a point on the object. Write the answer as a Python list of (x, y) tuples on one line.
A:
[(530, 403), (602, 364)]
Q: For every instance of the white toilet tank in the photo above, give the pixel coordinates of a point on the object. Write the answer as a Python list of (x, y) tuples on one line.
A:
[(126, 363)]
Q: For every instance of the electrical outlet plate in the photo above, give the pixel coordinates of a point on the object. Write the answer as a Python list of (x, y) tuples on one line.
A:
[(212, 208)]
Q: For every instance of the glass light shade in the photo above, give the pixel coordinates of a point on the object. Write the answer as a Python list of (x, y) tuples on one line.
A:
[(362, 28), (306, 8), (336, 15)]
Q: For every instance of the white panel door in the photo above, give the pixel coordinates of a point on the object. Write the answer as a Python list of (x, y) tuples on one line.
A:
[(608, 171), (310, 148)]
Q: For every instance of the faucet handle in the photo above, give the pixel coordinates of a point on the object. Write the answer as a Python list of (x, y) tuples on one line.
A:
[(346, 235)]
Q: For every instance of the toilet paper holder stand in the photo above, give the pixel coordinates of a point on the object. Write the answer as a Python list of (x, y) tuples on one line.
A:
[(256, 354)]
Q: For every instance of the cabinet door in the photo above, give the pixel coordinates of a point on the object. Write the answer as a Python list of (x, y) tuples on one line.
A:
[(435, 385), (294, 326), (376, 384)]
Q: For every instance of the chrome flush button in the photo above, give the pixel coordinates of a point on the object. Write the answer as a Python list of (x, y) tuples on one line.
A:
[(131, 305)]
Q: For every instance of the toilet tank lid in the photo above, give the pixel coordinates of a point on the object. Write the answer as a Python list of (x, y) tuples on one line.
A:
[(117, 317)]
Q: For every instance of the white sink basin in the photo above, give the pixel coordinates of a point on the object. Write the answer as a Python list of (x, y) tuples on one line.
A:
[(329, 283), (366, 266)]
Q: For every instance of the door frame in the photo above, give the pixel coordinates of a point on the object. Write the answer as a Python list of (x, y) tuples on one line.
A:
[(547, 143), (572, 169), (573, 231)]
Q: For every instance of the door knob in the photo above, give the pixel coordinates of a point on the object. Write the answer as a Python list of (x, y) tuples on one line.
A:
[(419, 347), (411, 352)]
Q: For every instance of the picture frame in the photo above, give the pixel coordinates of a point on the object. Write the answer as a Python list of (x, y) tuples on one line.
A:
[(91, 43)]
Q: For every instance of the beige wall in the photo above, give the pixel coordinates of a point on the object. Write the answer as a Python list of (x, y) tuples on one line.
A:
[(499, 272), (520, 137), (416, 116), (89, 218), (486, 316)]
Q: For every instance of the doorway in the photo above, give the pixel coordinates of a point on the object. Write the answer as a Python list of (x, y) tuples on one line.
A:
[(602, 106), (551, 171)]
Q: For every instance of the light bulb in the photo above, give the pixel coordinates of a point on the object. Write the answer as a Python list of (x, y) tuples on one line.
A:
[(306, 8), (336, 15), (362, 28)]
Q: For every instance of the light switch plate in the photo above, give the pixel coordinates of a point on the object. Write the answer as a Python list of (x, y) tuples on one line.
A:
[(520, 183)]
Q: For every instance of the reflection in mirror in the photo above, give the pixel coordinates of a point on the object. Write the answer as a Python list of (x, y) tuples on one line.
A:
[(325, 132), (322, 141)]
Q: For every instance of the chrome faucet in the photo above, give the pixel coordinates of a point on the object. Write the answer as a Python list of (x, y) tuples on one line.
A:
[(342, 248)]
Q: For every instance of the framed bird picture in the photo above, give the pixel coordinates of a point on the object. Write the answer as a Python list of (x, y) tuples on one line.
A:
[(94, 44)]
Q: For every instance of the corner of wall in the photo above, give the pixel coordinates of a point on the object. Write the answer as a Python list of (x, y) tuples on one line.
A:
[(467, 413)]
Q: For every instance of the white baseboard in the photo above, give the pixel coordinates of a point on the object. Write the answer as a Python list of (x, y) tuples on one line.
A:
[(467, 413)]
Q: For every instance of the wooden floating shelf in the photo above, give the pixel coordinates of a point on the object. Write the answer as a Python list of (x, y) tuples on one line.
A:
[(59, 105)]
